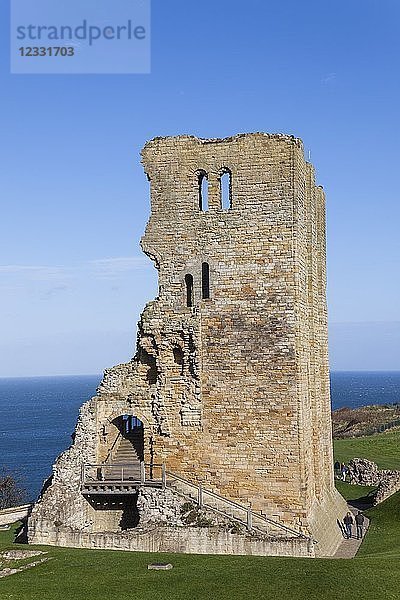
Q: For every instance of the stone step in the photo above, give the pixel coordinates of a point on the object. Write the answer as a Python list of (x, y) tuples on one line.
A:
[(229, 509), (126, 451), (130, 453)]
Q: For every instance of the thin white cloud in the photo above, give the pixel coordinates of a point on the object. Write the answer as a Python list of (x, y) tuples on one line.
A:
[(28, 269), (329, 78), (110, 267), (33, 273), (96, 269)]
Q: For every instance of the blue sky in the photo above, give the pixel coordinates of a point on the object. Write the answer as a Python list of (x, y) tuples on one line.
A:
[(75, 199)]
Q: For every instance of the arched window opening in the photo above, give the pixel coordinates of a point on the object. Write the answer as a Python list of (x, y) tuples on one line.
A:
[(205, 280), (203, 191), (131, 424), (225, 182), (189, 289)]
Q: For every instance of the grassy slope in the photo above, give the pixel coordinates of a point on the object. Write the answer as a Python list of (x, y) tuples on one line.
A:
[(354, 492), (91, 574), (382, 448), (100, 575), (384, 538)]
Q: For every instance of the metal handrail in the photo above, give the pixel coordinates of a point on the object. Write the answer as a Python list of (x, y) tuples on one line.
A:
[(113, 446), (248, 511), (119, 464), (199, 495), (104, 467), (101, 467), (211, 493), (220, 512)]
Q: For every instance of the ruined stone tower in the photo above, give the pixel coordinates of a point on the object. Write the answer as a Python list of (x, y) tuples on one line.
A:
[(229, 387)]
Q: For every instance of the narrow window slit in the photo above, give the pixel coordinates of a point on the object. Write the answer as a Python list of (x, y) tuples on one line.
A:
[(205, 280), (203, 191), (189, 289), (225, 182)]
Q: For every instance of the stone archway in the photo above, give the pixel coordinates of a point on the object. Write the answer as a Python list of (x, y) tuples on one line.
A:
[(113, 425), (131, 439)]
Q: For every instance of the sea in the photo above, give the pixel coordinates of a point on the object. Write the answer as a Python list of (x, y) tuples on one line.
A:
[(38, 415)]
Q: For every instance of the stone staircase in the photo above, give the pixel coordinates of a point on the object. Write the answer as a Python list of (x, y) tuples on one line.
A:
[(228, 509), (125, 459), (123, 473)]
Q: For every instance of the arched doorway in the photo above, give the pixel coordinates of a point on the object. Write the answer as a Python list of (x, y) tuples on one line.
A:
[(127, 452)]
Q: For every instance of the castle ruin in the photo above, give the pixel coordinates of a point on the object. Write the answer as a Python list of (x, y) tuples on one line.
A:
[(216, 436)]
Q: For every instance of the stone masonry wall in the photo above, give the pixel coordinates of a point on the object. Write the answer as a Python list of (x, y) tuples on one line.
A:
[(189, 540), (263, 331), (233, 391)]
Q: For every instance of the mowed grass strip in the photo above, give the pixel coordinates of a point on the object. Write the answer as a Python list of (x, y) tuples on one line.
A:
[(382, 448), (109, 575), (384, 537), (355, 492)]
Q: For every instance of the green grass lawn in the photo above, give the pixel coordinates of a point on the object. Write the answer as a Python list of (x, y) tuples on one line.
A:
[(354, 492), (382, 448), (109, 575)]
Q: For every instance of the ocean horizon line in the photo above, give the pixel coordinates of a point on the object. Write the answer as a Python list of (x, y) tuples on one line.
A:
[(39, 413), (70, 375)]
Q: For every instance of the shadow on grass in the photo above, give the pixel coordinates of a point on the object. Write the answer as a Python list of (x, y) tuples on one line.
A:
[(364, 502), (21, 533)]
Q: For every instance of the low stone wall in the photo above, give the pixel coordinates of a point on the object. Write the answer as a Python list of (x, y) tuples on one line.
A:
[(182, 540), (366, 472), (166, 523), (13, 514), (388, 486)]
